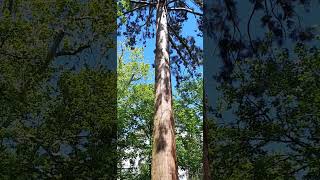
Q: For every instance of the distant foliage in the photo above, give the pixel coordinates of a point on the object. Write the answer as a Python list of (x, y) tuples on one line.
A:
[(275, 131)]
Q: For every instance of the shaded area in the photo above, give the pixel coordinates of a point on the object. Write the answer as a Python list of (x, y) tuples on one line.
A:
[(161, 142), (58, 90), (262, 116)]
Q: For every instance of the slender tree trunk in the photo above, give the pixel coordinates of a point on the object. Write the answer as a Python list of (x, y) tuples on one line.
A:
[(206, 168), (164, 164)]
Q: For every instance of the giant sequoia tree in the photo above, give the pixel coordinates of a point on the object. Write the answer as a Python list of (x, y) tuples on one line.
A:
[(168, 19)]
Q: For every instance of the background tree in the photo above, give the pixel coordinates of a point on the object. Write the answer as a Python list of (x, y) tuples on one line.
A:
[(255, 131), (135, 113), (188, 114), (275, 133), (57, 98)]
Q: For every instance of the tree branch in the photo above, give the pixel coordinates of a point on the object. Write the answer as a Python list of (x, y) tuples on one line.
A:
[(186, 10), (182, 41), (134, 9), (69, 53), (53, 49), (177, 50), (143, 2)]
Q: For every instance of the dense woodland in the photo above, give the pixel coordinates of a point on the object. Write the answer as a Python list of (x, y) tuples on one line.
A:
[(58, 96), (77, 104)]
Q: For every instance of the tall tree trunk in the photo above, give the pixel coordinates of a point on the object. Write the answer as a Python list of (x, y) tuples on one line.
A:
[(206, 168), (164, 163)]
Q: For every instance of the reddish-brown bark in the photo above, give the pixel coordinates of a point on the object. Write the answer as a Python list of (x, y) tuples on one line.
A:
[(164, 164)]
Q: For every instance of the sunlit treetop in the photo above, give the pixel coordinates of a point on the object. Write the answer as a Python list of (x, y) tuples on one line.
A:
[(138, 22)]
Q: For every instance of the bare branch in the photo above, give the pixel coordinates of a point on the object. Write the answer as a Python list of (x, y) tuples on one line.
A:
[(186, 10), (143, 2), (69, 53), (53, 49)]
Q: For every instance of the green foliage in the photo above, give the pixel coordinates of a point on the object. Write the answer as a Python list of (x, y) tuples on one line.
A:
[(188, 117), (57, 111), (275, 134), (62, 131), (135, 117)]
